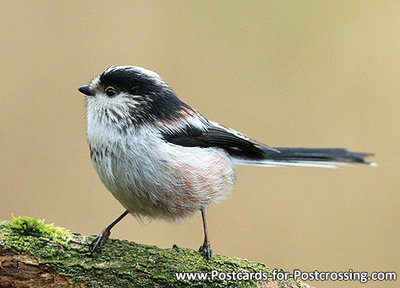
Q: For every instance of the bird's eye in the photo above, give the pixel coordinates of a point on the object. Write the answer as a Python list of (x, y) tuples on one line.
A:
[(111, 91)]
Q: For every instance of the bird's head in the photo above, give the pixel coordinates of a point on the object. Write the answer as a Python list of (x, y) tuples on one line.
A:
[(129, 94)]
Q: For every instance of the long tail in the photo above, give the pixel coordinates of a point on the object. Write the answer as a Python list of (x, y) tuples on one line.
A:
[(316, 157)]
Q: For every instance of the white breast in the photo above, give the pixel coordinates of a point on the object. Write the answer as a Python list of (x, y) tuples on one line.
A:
[(151, 177)]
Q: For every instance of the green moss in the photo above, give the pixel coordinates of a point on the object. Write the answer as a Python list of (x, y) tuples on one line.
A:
[(28, 226), (120, 263)]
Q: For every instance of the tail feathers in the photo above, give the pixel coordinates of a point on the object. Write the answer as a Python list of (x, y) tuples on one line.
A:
[(315, 157)]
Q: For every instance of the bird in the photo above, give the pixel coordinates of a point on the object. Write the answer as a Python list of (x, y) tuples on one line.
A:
[(161, 159)]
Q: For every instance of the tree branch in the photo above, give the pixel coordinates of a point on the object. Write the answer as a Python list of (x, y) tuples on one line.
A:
[(33, 254)]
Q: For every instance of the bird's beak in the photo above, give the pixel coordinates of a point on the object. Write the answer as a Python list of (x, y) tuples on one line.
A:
[(86, 90)]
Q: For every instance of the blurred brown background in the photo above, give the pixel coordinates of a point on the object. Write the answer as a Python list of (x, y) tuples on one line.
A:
[(288, 73)]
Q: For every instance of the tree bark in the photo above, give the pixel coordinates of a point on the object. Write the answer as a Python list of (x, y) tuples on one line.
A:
[(33, 254)]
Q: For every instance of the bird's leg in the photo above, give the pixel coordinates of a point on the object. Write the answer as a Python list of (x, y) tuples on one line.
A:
[(99, 241), (205, 249)]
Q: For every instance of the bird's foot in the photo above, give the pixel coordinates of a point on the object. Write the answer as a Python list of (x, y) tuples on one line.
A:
[(206, 250), (99, 241)]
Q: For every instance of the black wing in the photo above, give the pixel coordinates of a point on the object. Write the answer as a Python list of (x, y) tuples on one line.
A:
[(238, 145), (235, 143)]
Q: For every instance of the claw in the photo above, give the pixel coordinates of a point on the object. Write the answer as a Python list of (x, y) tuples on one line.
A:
[(206, 251), (99, 241)]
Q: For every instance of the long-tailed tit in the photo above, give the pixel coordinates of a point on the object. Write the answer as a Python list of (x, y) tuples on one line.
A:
[(160, 158)]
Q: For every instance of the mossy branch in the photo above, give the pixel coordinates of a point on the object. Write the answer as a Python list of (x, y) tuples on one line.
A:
[(33, 254)]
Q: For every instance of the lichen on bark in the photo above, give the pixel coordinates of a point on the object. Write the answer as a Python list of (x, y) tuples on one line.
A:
[(33, 254)]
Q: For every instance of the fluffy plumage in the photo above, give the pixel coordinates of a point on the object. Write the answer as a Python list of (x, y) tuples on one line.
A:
[(161, 158), (151, 177)]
